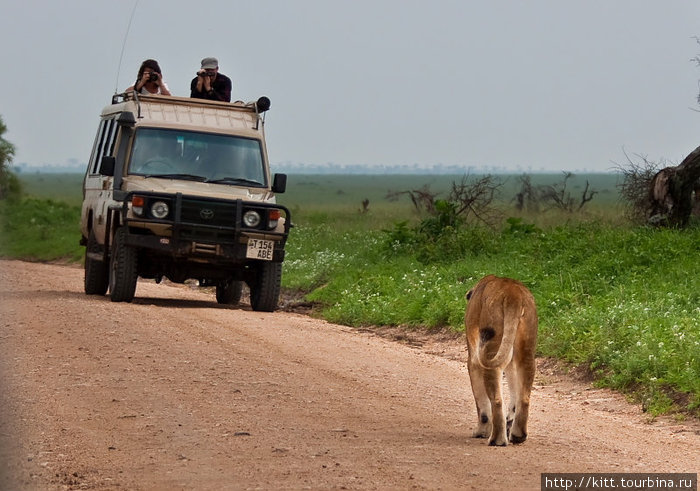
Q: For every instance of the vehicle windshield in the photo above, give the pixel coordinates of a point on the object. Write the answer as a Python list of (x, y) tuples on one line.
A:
[(190, 155)]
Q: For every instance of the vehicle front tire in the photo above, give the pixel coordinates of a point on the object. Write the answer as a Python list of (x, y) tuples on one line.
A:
[(96, 271), (122, 269), (265, 288), (229, 292)]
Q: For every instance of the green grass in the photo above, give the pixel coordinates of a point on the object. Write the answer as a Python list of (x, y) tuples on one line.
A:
[(622, 300), (40, 230), (66, 188)]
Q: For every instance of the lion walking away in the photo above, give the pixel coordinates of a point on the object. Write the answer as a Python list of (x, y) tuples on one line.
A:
[(501, 329)]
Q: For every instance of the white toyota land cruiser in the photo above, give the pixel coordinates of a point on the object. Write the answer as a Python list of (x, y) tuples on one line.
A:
[(181, 188)]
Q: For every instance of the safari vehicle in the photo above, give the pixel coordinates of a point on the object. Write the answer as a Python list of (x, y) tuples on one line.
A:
[(181, 188)]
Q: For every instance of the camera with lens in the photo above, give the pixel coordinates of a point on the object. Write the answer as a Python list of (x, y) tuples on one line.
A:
[(153, 77), (204, 73)]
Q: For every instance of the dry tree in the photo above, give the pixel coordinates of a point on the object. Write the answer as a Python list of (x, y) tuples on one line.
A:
[(474, 199), (423, 199), (471, 199), (528, 198), (637, 176), (561, 198)]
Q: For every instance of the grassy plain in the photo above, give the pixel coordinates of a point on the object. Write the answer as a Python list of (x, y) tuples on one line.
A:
[(66, 188), (621, 299)]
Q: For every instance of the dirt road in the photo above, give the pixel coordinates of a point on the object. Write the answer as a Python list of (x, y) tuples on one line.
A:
[(175, 392)]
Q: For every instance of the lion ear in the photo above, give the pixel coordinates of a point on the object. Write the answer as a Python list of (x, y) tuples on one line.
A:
[(469, 294)]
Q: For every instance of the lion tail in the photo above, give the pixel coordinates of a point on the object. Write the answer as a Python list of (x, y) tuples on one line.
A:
[(512, 312)]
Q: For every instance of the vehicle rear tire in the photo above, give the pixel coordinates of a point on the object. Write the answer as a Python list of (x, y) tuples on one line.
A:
[(96, 271), (229, 292), (122, 269), (265, 288)]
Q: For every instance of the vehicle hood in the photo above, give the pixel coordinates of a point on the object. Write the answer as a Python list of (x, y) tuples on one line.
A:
[(194, 188)]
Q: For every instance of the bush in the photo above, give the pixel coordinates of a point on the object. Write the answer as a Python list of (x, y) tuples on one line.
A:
[(443, 236), (10, 185)]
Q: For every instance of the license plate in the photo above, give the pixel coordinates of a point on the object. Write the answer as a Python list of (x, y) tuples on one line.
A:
[(260, 249)]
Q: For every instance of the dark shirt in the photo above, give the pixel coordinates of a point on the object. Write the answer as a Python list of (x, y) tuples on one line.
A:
[(221, 89)]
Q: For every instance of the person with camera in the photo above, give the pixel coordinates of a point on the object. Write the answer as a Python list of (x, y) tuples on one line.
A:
[(150, 80), (210, 84)]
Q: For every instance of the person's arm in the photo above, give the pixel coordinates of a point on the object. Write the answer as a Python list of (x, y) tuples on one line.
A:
[(221, 91), (140, 83), (164, 90), (196, 89)]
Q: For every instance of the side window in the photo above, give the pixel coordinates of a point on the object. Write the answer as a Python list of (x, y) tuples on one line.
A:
[(111, 137), (104, 143), (97, 148)]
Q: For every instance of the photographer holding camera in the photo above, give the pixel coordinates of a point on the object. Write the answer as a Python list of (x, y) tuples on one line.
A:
[(210, 84), (150, 80)]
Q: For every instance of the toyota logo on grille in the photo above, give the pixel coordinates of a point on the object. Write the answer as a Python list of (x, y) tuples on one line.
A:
[(206, 213)]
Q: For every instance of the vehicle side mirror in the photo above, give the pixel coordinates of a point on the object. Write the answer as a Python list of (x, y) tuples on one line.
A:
[(279, 183), (107, 165)]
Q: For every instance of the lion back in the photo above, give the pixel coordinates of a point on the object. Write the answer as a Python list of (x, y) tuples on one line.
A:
[(497, 307)]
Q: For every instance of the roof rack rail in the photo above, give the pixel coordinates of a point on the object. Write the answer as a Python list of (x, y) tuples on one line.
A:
[(259, 107), (125, 96)]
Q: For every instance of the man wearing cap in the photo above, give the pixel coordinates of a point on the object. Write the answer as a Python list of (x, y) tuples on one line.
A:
[(210, 84)]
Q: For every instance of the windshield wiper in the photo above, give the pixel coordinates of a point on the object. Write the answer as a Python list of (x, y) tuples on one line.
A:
[(186, 177), (234, 180)]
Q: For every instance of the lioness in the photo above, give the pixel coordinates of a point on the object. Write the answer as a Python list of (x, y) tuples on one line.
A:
[(501, 328)]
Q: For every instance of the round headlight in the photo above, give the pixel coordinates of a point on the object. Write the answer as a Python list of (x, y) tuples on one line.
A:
[(160, 209), (251, 218)]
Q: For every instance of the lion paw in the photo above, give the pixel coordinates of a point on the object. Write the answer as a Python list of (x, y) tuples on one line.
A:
[(498, 442), (480, 433), (518, 439)]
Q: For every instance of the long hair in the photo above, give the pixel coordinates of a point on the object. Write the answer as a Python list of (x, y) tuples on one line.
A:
[(152, 64)]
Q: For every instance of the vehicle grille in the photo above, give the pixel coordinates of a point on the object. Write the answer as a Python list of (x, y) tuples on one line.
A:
[(210, 221), (208, 213)]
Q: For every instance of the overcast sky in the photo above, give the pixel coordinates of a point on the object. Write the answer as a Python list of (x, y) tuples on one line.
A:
[(542, 84)]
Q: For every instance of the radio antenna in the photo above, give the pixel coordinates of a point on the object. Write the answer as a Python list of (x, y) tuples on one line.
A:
[(121, 55)]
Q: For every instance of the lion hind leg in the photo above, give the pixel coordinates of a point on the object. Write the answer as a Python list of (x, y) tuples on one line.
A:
[(514, 393), (492, 382), (522, 379), (483, 405)]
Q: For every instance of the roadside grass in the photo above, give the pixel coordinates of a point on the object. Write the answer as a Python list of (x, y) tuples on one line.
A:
[(622, 301), (40, 230)]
